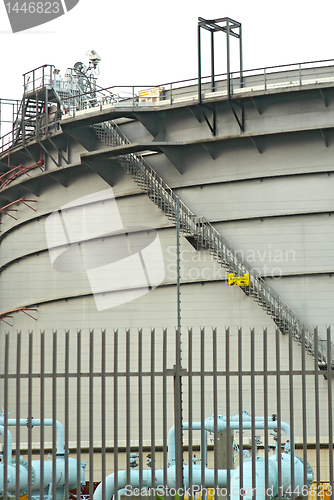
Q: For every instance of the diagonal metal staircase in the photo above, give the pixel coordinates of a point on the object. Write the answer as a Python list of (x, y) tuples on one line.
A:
[(193, 226), (210, 239)]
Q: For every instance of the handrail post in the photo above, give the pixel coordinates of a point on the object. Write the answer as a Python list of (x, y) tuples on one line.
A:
[(265, 78)]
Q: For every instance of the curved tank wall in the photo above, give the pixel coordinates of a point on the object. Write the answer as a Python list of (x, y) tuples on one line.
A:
[(268, 191)]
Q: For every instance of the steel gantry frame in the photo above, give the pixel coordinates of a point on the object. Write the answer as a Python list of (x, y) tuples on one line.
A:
[(230, 28)]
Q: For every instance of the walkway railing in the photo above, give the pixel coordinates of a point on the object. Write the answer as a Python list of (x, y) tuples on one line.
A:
[(182, 91)]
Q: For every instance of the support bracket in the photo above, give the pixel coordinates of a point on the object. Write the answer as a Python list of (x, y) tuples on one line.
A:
[(324, 97), (212, 126), (324, 134), (57, 149), (47, 153), (257, 143), (240, 120)]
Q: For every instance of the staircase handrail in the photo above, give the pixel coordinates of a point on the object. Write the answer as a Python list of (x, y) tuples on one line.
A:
[(211, 239)]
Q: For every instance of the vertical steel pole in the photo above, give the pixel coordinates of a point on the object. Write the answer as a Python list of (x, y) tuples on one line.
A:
[(212, 62), (241, 58), (199, 64), (228, 69), (46, 114), (178, 292), (177, 379)]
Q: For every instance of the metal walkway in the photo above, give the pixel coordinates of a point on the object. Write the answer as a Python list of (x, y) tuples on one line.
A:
[(210, 239), (163, 196)]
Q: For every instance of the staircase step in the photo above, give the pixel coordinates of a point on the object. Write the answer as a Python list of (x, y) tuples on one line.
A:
[(204, 234)]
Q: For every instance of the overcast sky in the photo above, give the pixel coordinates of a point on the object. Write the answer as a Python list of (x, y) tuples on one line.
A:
[(146, 42)]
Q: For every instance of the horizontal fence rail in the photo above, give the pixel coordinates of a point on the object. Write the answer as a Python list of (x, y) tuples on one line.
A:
[(79, 406)]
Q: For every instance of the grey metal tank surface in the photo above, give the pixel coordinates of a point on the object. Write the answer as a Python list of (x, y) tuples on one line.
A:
[(89, 181)]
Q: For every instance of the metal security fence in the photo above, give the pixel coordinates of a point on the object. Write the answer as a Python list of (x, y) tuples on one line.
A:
[(203, 412)]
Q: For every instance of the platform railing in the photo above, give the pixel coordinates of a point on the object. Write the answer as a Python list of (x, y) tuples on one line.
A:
[(287, 320), (182, 91)]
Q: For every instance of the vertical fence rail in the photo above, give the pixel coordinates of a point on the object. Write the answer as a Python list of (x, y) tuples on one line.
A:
[(190, 405), (240, 397), (116, 408), (202, 400), (265, 410), (6, 389), (91, 413), (279, 413), (42, 412), (67, 409), (78, 411), (140, 406), (330, 412), (228, 408), (114, 393), (18, 413), (103, 410), (54, 414), (128, 405), (30, 400), (164, 405), (317, 412), (291, 412), (304, 409)]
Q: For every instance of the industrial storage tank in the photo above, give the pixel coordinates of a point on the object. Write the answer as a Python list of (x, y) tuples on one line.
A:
[(90, 185)]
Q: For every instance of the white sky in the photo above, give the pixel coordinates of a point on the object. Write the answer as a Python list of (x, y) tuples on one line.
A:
[(147, 42)]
